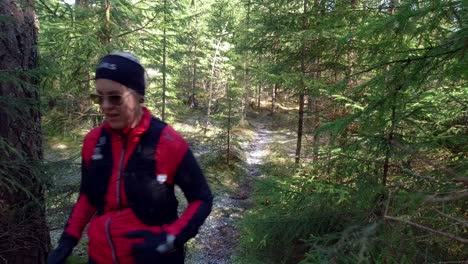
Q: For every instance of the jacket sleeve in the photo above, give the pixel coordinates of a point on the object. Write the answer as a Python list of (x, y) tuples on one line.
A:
[(192, 182)]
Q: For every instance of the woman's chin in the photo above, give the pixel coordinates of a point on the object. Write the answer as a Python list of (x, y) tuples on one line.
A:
[(115, 124)]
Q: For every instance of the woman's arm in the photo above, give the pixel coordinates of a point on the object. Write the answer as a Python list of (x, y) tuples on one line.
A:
[(191, 180)]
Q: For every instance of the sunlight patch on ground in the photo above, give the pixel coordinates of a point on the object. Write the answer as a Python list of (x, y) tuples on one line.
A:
[(256, 156), (59, 146), (287, 107), (286, 141), (197, 128), (243, 131), (184, 127)]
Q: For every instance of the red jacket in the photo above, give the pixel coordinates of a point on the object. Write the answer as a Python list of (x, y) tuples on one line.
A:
[(128, 180)]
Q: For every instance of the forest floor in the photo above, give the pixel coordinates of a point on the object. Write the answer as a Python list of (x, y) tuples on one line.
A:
[(218, 238)]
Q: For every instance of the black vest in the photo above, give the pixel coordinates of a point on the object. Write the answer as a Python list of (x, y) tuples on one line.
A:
[(154, 203)]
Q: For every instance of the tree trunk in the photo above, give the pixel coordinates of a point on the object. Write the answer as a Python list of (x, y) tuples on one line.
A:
[(163, 111), (23, 230), (259, 95), (275, 90), (246, 83), (194, 67), (300, 128), (212, 79), (195, 53), (228, 156), (390, 136), (391, 133), (273, 98), (315, 112), (300, 123), (108, 33)]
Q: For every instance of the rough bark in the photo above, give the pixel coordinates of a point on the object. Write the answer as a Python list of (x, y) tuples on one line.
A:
[(24, 236)]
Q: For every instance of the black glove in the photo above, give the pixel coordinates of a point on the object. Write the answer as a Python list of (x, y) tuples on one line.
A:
[(154, 246), (63, 250)]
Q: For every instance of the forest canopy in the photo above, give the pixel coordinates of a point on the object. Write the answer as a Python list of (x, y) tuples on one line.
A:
[(373, 92)]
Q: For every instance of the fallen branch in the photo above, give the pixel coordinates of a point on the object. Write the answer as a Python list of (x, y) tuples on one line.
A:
[(56, 228), (451, 236), (450, 197), (463, 180), (465, 223)]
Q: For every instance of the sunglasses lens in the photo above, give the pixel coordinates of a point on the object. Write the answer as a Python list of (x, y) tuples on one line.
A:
[(111, 99), (96, 98), (115, 99)]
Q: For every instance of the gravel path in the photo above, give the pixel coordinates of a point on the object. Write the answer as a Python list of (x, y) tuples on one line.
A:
[(218, 237)]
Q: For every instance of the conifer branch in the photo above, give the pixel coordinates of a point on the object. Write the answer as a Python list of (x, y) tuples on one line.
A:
[(406, 60), (48, 8), (138, 28), (448, 235)]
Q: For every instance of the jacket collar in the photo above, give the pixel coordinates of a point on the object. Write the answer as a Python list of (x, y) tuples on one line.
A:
[(139, 129)]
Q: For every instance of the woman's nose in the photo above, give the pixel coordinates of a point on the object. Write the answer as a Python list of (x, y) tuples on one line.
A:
[(106, 105)]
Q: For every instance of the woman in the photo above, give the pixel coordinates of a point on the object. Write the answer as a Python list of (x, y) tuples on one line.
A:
[(130, 165)]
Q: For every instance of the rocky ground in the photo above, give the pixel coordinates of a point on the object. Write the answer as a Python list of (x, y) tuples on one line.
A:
[(219, 236)]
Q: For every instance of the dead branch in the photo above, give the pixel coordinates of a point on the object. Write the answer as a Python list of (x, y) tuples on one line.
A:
[(451, 236), (388, 202), (463, 180), (465, 223), (457, 195)]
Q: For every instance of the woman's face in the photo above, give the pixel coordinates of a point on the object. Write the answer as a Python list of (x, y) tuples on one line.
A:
[(119, 104)]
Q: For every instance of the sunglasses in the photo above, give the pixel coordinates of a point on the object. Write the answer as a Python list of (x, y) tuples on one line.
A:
[(112, 99)]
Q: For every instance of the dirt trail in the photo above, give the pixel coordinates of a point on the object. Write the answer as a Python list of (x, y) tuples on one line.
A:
[(218, 237)]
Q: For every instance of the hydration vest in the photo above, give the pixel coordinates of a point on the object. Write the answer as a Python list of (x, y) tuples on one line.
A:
[(152, 200)]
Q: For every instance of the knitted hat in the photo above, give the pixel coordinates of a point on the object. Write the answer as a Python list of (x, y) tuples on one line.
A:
[(123, 68)]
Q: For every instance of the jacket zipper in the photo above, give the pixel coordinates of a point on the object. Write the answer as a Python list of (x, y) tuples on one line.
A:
[(109, 239), (108, 234), (122, 156)]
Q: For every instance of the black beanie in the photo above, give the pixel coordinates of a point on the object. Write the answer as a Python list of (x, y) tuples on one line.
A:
[(123, 68)]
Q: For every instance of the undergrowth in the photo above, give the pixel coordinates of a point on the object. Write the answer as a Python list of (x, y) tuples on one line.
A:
[(298, 217), (335, 210)]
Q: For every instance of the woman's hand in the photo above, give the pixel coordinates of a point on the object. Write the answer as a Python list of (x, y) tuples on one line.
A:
[(154, 246), (60, 254)]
